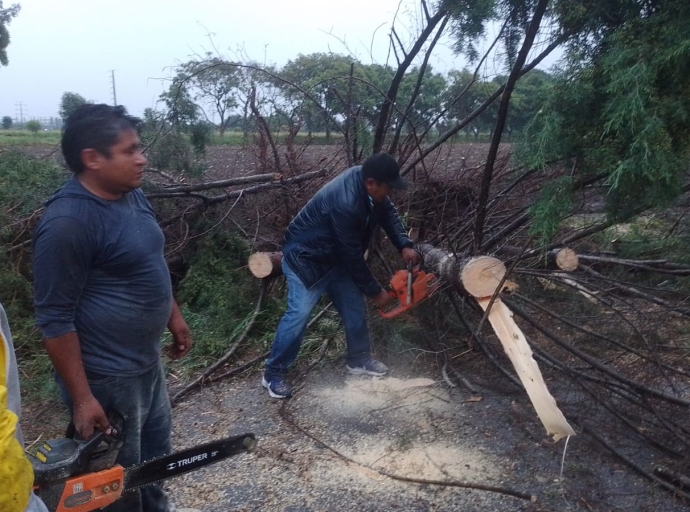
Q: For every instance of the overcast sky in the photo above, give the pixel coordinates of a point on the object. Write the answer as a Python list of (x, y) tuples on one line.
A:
[(72, 45)]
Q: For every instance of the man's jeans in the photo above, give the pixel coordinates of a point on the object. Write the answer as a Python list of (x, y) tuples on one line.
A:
[(348, 301), (144, 401)]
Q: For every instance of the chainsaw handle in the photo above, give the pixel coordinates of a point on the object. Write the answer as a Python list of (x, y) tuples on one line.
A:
[(392, 313)]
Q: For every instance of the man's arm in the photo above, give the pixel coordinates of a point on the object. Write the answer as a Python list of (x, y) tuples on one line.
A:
[(351, 256), (182, 337), (62, 261), (65, 353), (392, 225), (347, 233)]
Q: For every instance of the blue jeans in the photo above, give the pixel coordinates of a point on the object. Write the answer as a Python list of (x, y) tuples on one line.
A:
[(144, 401), (348, 301)]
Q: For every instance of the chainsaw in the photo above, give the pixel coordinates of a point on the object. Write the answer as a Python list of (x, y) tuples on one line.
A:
[(410, 287), (72, 475)]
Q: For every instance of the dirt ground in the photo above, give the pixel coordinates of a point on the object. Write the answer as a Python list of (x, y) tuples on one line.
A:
[(325, 449), (330, 447)]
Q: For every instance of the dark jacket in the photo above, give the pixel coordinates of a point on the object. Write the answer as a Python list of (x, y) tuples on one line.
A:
[(334, 229)]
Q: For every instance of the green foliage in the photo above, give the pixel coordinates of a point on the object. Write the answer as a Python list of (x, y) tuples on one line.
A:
[(24, 183), (6, 122), (218, 296), (551, 207), (180, 109), (622, 106), (465, 93), (658, 235), (326, 77), (426, 107), (70, 102), (6, 16), (26, 138), (214, 84), (199, 136), (170, 151), (468, 23), (33, 126)]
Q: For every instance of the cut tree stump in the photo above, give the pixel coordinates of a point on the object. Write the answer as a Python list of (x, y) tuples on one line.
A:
[(265, 264), (565, 258)]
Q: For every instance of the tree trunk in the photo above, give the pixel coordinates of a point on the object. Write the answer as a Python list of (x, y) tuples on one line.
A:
[(266, 264), (501, 118), (564, 259), (479, 276)]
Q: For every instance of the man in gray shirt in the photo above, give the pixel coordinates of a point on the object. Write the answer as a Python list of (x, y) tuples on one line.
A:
[(103, 293)]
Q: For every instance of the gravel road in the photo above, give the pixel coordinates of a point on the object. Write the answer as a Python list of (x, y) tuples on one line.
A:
[(330, 447)]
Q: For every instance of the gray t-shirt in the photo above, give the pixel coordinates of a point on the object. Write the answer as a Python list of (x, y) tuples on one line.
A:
[(99, 270)]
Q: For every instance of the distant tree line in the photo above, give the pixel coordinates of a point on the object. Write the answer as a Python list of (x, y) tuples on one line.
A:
[(320, 91)]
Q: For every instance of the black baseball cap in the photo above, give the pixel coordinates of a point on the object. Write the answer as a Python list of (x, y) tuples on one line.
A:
[(383, 168)]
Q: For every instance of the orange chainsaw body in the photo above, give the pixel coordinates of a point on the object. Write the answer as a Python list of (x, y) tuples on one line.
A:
[(91, 491), (423, 285)]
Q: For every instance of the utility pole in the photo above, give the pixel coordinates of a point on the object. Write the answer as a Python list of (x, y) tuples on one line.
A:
[(21, 106), (112, 81)]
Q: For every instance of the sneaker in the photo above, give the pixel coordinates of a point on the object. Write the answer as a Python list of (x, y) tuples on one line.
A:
[(369, 367), (277, 387)]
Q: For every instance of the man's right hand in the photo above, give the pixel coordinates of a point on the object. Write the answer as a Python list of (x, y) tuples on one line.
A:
[(383, 299), (88, 416)]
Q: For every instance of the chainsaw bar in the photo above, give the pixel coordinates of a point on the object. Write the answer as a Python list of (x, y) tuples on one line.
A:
[(184, 461)]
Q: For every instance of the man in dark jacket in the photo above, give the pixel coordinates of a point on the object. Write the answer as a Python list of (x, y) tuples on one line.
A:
[(323, 252)]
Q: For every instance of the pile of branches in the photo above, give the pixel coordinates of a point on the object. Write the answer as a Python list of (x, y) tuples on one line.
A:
[(610, 341)]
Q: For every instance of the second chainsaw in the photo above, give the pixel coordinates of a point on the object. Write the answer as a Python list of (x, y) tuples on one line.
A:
[(73, 475)]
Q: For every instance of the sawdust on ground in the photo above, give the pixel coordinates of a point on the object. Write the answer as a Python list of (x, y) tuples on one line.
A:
[(332, 445)]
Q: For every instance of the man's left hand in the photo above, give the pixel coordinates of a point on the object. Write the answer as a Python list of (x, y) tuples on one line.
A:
[(182, 336), (181, 342), (410, 255)]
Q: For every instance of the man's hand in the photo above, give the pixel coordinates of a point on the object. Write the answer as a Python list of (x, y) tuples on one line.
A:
[(88, 415), (182, 336), (383, 299), (87, 412), (409, 254)]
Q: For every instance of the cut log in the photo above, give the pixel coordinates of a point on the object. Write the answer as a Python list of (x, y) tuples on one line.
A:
[(482, 275), (265, 264), (565, 258), (520, 354)]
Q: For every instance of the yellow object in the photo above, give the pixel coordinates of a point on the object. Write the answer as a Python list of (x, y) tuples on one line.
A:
[(16, 474)]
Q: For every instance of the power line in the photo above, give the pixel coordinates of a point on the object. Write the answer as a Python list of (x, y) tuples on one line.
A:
[(112, 81), (21, 106)]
